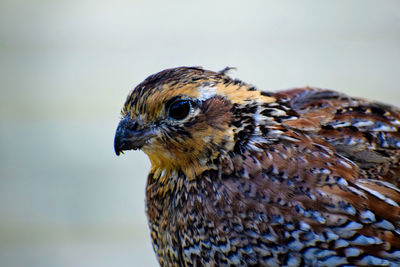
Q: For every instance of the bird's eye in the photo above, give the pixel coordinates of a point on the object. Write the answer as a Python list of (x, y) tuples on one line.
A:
[(179, 109)]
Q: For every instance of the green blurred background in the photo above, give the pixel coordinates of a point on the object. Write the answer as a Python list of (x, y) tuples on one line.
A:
[(67, 66)]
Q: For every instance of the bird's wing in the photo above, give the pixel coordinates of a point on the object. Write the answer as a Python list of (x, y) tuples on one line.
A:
[(348, 167), (364, 132)]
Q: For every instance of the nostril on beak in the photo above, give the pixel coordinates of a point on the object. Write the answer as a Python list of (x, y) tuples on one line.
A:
[(131, 134), (133, 126)]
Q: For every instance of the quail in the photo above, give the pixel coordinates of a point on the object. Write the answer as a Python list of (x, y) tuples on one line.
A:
[(243, 177)]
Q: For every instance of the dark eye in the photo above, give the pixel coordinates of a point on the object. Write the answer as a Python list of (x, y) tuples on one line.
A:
[(179, 109)]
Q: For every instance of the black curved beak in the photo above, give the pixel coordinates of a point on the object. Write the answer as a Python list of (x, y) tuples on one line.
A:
[(130, 135)]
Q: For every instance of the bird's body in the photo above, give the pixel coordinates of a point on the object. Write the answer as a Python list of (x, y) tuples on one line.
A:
[(303, 177)]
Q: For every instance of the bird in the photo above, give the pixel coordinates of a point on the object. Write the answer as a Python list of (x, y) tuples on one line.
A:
[(245, 177)]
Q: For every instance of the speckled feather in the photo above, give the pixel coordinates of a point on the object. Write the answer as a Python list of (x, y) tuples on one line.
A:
[(303, 177)]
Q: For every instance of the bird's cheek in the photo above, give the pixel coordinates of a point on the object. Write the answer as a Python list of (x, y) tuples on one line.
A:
[(157, 146)]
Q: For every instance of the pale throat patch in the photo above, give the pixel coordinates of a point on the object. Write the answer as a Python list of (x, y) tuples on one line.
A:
[(206, 92)]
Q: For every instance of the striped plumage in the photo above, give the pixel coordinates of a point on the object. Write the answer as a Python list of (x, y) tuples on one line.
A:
[(303, 177)]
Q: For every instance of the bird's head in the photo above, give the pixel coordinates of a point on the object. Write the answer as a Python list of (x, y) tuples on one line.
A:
[(182, 118)]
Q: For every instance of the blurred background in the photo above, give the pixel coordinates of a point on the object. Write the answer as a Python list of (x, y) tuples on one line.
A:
[(67, 66)]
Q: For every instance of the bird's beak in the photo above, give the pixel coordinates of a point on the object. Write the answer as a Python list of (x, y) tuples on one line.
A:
[(131, 135)]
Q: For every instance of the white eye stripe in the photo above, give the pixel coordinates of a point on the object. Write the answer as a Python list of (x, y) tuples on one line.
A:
[(206, 92)]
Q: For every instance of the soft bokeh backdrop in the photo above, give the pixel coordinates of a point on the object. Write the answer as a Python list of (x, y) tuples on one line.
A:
[(66, 67)]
